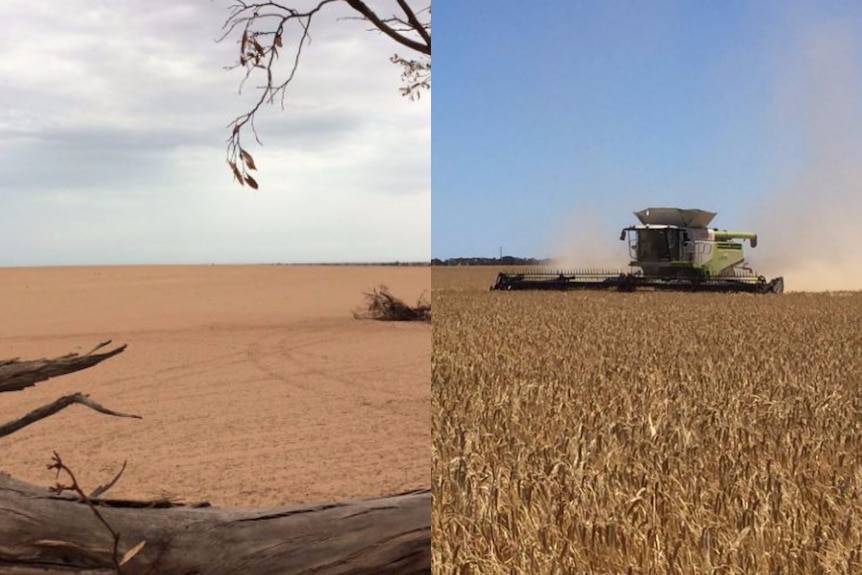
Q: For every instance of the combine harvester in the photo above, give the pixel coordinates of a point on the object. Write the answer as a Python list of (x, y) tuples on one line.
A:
[(673, 249)]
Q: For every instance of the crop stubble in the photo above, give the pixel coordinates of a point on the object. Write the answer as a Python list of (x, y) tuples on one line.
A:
[(644, 433)]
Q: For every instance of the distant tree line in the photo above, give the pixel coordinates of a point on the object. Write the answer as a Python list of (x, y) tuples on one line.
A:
[(503, 261)]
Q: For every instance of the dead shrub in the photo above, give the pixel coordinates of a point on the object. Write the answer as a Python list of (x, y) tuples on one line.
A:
[(381, 305)]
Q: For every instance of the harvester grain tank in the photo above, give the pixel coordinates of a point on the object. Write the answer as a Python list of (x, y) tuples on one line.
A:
[(671, 249)]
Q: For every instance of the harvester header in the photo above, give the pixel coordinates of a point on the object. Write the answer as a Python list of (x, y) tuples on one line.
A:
[(671, 249)]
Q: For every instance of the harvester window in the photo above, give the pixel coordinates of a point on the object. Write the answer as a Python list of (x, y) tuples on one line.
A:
[(673, 244), (660, 245), (652, 246)]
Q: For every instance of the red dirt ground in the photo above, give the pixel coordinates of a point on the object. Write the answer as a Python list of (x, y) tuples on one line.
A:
[(256, 384)]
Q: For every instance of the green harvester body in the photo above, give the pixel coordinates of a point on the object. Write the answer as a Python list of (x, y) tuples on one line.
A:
[(672, 249)]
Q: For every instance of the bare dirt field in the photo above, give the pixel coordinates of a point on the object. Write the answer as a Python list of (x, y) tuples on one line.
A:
[(255, 383)]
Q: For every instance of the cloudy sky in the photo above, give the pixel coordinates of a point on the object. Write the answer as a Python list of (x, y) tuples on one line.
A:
[(113, 121)]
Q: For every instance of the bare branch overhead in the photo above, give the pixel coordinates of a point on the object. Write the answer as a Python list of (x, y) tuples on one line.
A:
[(421, 47), (264, 27)]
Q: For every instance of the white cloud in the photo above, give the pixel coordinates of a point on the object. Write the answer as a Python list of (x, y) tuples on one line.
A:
[(113, 122)]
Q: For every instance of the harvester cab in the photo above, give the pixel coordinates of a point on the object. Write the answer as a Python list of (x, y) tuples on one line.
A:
[(671, 249), (677, 243)]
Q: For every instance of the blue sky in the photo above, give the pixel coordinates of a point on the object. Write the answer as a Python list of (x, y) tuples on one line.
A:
[(559, 116)]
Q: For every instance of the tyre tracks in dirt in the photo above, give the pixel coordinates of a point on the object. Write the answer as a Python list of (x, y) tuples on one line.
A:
[(255, 384), (262, 415)]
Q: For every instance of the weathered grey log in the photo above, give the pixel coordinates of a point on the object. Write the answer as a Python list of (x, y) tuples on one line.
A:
[(16, 375), (42, 532)]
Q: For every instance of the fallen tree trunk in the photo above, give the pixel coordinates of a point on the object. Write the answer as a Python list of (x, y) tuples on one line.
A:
[(42, 532)]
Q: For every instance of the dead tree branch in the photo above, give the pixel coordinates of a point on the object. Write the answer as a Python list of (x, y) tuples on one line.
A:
[(16, 375), (55, 406), (102, 489), (59, 488)]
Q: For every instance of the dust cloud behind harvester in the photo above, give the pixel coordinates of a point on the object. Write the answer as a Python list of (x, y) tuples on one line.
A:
[(809, 221)]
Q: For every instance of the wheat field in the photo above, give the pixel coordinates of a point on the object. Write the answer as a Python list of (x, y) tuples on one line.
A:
[(592, 432)]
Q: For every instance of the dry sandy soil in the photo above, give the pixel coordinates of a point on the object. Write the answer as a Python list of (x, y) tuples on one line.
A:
[(255, 383)]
